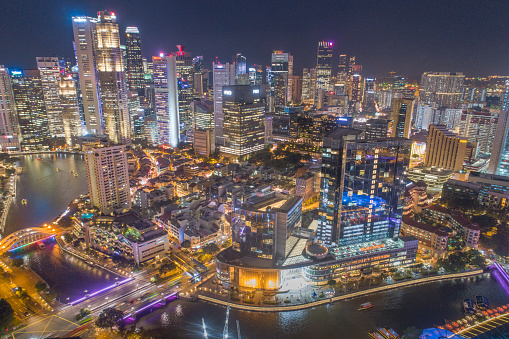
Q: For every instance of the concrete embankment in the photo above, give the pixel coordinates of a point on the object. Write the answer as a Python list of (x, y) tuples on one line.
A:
[(253, 308)]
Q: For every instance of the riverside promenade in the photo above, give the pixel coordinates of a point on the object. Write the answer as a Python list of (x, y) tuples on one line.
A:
[(324, 301)]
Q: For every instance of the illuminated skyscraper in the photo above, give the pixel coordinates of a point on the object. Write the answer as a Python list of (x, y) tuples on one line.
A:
[(185, 74), (442, 88), (102, 76), (8, 116), (308, 83), (280, 76), (84, 41), (134, 61), (401, 116), (223, 75), (240, 65), (166, 99), (244, 120), (324, 66), (362, 187), (29, 99), (49, 72), (70, 110), (256, 75), (108, 177), (499, 159)]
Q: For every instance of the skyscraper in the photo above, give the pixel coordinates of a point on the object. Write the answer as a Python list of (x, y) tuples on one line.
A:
[(442, 88), (108, 177), (362, 187), (134, 61), (222, 75), (8, 116), (240, 65), (324, 67), (49, 71), (281, 71), (71, 120), (185, 74), (102, 76), (401, 116), (29, 99), (166, 99), (84, 42), (244, 120), (499, 159)]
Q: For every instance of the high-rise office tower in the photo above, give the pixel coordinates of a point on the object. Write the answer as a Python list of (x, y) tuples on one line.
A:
[(401, 116), (499, 159), (240, 65), (244, 120), (343, 64), (362, 187), (444, 148), (324, 66), (279, 77), (134, 61), (442, 88), (29, 99), (49, 71), (108, 177), (112, 81), (256, 75), (481, 127), (166, 99), (203, 112), (356, 84), (185, 74), (223, 75), (71, 119), (377, 129), (102, 76), (296, 88), (84, 42), (8, 116), (308, 83)]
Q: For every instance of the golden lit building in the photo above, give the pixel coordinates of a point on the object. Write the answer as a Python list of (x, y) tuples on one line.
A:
[(445, 149)]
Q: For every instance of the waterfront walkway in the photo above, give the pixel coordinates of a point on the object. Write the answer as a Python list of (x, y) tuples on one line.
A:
[(289, 307)]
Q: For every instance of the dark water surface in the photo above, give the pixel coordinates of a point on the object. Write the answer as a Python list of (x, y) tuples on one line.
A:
[(420, 306), (48, 191)]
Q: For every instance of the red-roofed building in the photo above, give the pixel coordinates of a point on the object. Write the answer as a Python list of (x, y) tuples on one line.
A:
[(431, 238)]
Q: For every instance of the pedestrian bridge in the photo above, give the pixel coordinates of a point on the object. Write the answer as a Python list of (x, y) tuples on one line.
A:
[(24, 237)]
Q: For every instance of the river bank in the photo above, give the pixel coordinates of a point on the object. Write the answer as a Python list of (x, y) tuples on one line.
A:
[(254, 308)]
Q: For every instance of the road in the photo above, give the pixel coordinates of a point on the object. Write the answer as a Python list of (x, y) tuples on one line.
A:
[(126, 297)]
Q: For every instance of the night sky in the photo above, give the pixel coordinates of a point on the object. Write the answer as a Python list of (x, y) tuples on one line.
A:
[(407, 36)]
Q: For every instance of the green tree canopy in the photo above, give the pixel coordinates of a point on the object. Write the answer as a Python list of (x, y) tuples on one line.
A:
[(6, 314), (109, 317)]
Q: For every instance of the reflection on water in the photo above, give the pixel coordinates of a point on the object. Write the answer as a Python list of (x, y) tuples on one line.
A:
[(48, 191), (421, 306), (69, 276)]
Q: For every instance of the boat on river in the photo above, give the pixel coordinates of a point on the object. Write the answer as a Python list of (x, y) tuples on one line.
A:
[(482, 302), (468, 306), (23, 202), (387, 333), (376, 335), (365, 306)]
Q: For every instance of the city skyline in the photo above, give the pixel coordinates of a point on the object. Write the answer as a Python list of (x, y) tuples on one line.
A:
[(373, 32)]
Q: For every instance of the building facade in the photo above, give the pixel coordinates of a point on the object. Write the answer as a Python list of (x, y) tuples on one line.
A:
[(108, 177), (445, 149)]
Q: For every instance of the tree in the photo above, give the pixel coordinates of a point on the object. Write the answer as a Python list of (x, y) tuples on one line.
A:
[(6, 314), (109, 317), (331, 282), (186, 244), (411, 333), (167, 267), (210, 248), (21, 293), (67, 237), (76, 243), (17, 262), (83, 313), (40, 286)]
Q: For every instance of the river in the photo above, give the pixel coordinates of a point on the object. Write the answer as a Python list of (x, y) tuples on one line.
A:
[(48, 192)]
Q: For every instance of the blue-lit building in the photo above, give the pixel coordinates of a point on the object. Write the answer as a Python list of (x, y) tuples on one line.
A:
[(499, 160), (362, 187)]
